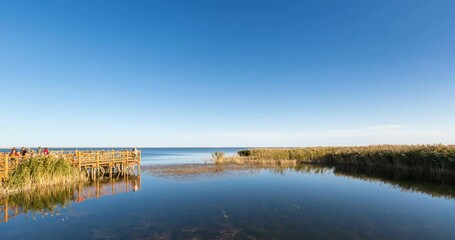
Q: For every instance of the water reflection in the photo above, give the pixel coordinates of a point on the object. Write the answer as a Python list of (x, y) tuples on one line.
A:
[(436, 186), (209, 201), (50, 201), (296, 202)]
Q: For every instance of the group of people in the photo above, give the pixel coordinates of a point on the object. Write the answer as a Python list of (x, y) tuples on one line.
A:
[(28, 152)]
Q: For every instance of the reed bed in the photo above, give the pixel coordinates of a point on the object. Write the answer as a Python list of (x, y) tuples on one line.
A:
[(40, 171), (438, 159), (218, 155)]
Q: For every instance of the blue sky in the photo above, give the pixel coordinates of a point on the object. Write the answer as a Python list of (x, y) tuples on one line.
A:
[(226, 73)]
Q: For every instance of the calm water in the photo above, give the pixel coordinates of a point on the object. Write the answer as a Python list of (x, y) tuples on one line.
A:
[(177, 197)]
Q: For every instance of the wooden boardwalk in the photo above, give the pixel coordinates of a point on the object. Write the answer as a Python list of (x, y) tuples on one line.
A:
[(91, 163)]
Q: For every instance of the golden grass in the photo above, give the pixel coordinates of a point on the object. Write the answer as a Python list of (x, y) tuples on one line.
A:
[(40, 171), (429, 158)]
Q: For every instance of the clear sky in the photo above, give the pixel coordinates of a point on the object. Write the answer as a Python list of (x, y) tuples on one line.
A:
[(226, 73)]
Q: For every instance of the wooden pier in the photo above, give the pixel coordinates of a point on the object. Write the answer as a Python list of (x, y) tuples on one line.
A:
[(92, 163)]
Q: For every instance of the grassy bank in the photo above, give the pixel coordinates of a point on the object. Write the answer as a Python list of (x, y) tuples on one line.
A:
[(40, 171), (438, 159)]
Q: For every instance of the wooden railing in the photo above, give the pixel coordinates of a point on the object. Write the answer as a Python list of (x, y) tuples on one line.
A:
[(83, 160)]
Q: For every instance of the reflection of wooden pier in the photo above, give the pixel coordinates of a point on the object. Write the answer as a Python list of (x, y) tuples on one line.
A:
[(6, 211), (92, 163), (79, 193), (99, 189)]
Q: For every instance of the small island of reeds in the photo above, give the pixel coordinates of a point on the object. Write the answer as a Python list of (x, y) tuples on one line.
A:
[(431, 159)]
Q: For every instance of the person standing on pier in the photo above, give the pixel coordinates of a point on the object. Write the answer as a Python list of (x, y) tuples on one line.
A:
[(13, 152), (46, 151), (23, 151), (39, 151)]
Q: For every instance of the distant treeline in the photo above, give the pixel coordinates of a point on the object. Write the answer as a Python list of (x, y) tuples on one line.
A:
[(438, 159)]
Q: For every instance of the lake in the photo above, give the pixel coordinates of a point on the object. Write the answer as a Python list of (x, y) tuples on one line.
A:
[(181, 195)]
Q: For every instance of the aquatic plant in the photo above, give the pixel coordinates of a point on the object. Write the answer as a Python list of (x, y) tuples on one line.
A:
[(40, 171), (218, 155), (439, 159)]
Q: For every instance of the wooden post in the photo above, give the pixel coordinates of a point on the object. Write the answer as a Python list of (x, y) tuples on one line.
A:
[(6, 210), (78, 161), (6, 165), (126, 163), (112, 186), (112, 164), (127, 183), (97, 184), (97, 162), (79, 187), (139, 163)]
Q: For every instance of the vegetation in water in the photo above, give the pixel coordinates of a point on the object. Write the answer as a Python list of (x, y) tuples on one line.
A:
[(40, 171), (218, 155), (424, 158)]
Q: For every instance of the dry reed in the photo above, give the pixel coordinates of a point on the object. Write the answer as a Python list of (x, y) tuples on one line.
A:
[(439, 159), (40, 171)]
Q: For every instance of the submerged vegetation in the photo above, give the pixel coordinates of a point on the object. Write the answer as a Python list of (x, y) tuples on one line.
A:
[(435, 159), (40, 171)]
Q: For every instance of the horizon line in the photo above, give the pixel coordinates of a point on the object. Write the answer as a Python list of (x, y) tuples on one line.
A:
[(200, 147)]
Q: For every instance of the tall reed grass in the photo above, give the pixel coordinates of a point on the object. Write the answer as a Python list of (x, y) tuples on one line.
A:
[(218, 155), (40, 171), (432, 158)]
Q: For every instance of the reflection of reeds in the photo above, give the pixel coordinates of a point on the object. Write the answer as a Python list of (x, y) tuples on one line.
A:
[(42, 200), (40, 171), (49, 200), (436, 186), (437, 159)]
